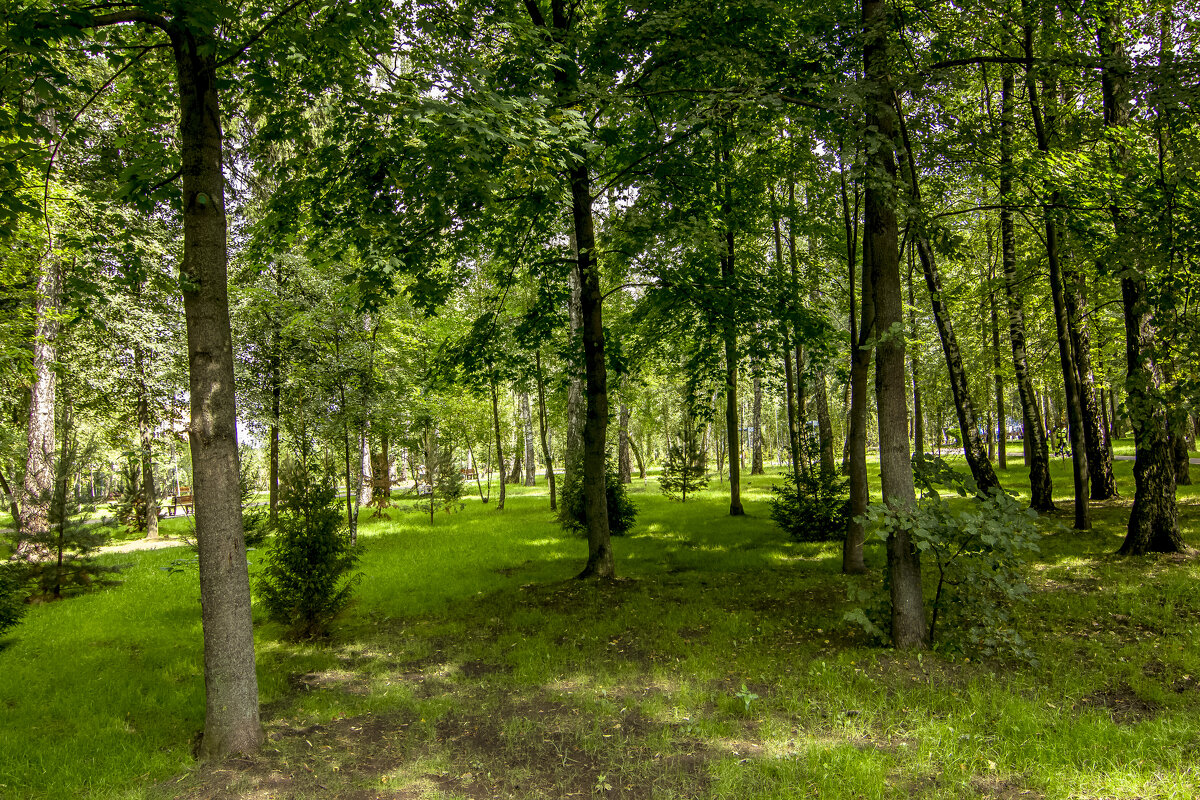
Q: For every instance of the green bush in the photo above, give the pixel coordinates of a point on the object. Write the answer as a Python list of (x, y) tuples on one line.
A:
[(621, 511), (12, 597), (979, 554), (816, 511), (307, 579), (684, 472)]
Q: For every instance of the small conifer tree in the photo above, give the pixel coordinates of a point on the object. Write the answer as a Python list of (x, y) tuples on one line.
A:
[(307, 579), (572, 512), (12, 597), (684, 473)]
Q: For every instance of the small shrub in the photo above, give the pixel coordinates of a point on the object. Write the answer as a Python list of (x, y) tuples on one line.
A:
[(12, 597), (307, 577), (621, 511), (816, 511), (980, 555)]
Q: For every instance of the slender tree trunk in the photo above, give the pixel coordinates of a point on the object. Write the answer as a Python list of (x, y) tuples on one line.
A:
[(1037, 454), (860, 364), (785, 338), (998, 373), (909, 629), (146, 441), (527, 427), (542, 430), (1066, 356), (1100, 473), (231, 719), (273, 489), (824, 424), (624, 462), (576, 401), (1153, 520), (637, 456), (756, 447), (915, 367), (729, 333), (964, 406), (499, 442)]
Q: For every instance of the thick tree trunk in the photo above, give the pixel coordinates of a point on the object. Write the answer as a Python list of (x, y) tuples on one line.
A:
[(595, 430), (231, 720), (1153, 520), (1037, 454), (909, 629), (146, 440), (624, 461), (38, 487)]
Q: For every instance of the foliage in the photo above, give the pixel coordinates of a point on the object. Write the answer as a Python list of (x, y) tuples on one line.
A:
[(306, 580), (130, 507), (817, 510), (12, 597), (980, 555), (60, 561), (255, 519), (572, 514), (446, 486)]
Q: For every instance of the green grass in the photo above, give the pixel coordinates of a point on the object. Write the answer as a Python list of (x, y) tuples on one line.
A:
[(470, 665)]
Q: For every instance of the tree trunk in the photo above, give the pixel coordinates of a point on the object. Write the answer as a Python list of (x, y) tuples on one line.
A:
[(38, 488), (527, 429), (998, 373), (915, 368), (909, 628), (1066, 356), (576, 401), (860, 364), (785, 337), (756, 446), (729, 333), (542, 430), (1103, 483), (273, 488), (146, 441), (824, 424), (1037, 454), (499, 441), (964, 406), (624, 462), (1153, 520), (231, 719)]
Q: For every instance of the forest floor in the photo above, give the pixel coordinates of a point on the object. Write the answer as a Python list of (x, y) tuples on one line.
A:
[(718, 665)]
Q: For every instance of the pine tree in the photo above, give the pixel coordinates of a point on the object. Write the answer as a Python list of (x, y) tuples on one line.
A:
[(684, 473)]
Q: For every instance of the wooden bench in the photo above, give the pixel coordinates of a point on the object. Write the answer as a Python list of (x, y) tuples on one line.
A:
[(468, 474), (182, 500)]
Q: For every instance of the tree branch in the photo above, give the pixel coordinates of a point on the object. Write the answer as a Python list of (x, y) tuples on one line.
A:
[(254, 37)]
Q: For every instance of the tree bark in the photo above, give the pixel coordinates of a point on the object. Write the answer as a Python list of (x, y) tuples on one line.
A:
[(1153, 520), (785, 338), (909, 628), (915, 368), (998, 373), (231, 720), (1037, 454), (527, 426), (38, 485)]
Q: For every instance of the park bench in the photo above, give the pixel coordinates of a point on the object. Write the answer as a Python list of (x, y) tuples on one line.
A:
[(468, 474), (182, 500)]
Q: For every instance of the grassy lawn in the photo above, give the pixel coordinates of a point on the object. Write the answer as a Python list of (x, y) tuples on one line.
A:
[(717, 666)]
